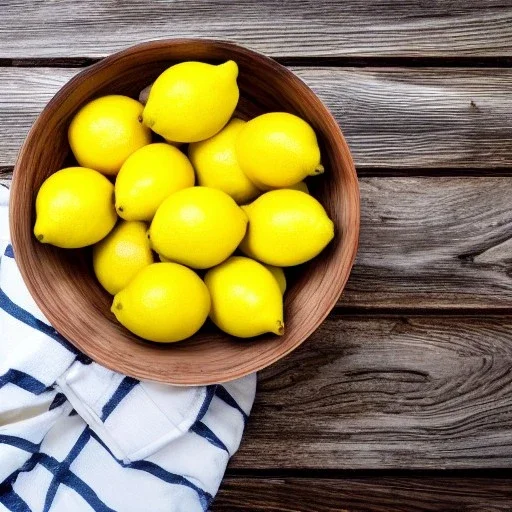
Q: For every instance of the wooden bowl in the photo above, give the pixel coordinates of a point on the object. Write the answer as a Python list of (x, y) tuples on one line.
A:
[(62, 282)]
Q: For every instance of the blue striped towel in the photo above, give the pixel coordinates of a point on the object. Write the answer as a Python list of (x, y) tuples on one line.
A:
[(75, 436)]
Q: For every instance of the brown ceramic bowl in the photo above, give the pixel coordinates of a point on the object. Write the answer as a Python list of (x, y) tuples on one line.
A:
[(62, 282)]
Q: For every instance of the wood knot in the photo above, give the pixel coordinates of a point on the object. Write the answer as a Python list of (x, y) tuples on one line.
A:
[(466, 258)]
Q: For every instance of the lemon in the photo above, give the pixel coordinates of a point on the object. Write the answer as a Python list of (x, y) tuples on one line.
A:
[(286, 227), (74, 208), (199, 227), (143, 98), (118, 257), (277, 150), (148, 176), (216, 166), (106, 131), (246, 299), (164, 302), (279, 276), (192, 101)]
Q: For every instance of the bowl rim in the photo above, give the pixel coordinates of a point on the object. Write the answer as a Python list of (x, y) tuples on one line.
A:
[(89, 71)]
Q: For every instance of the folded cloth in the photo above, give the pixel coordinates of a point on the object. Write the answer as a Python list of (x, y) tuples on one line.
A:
[(75, 436)]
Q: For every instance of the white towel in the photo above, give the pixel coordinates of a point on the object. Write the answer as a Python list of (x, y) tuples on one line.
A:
[(75, 436)]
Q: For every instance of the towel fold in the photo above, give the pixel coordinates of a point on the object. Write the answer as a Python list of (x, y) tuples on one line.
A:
[(75, 436)]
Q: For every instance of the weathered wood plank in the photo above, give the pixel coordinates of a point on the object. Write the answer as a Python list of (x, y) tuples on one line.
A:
[(24, 92), (389, 392), (392, 118), (372, 494), (299, 28), (431, 243), (420, 118)]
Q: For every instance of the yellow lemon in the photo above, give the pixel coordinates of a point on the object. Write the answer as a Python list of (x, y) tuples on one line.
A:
[(148, 176), (74, 208), (164, 302), (199, 227), (216, 166), (143, 98), (286, 227), (192, 101), (279, 276), (106, 131), (118, 257), (246, 299), (277, 150)]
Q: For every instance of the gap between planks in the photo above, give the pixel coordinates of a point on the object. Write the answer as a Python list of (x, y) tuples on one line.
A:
[(302, 61), (379, 172), (299, 473)]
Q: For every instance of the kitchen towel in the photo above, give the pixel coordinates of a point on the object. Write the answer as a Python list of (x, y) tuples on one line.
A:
[(75, 436)]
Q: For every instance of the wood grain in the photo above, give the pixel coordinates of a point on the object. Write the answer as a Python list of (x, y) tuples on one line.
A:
[(299, 28), (387, 392), (392, 118), (433, 243), (371, 494), (208, 357)]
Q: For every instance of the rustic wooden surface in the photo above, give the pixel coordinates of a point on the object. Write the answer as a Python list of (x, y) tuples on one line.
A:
[(301, 28), (434, 242), (367, 392), (393, 118), (369, 494), (412, 370)]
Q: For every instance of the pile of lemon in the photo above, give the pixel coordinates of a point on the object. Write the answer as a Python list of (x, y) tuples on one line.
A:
[(150, 186)]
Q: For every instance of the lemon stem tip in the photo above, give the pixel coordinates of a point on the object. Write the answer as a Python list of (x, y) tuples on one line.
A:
[(231, 66), (319, 169)]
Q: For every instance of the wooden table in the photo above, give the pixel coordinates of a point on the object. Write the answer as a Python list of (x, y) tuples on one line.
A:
[(402, 400)]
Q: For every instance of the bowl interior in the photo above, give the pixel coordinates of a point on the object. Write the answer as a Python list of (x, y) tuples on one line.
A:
[(62, 282)]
